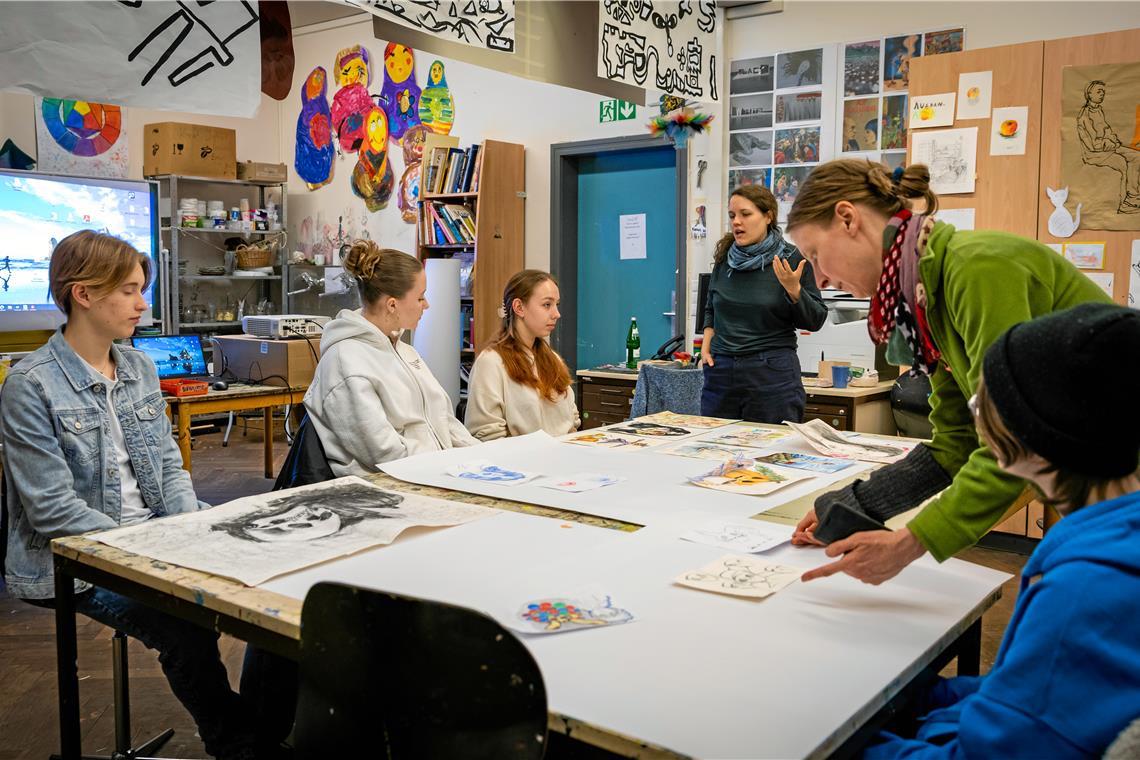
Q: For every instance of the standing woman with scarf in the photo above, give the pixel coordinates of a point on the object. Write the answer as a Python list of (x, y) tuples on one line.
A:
[(761, 291), (939, 298)]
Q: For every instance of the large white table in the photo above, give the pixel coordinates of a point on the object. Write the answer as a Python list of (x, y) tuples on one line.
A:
[(809, 672)]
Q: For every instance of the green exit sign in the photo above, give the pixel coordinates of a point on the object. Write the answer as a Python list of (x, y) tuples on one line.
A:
[(616, 110)]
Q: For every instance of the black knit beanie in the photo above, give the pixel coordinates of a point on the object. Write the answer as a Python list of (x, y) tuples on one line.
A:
[(1045, 378)]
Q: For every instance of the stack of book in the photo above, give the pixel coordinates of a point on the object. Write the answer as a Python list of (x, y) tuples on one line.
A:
[(447, 224), (453, 170)]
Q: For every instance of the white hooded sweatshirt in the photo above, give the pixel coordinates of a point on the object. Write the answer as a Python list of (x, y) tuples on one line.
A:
[(371, 402)]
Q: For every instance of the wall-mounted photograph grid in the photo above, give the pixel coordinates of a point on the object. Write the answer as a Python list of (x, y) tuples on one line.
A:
[(788, 111)]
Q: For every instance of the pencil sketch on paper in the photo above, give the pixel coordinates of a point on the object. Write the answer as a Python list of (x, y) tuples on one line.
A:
[(259, 537), (668, 46), (703, 450), (740, 576), (827, 440), (748, 537), (950, 154), (650, 429), (481, 23), (755, 437), (1101, 146)]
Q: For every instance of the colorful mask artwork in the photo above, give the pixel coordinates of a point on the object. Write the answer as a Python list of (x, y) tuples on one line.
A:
[(401, 93), (409, 192), (313, 157), (372, 177), (352, 102), (413, 143), (437, 108)]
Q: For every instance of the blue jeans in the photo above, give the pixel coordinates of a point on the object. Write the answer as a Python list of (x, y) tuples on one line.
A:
[(190, 660), (763, 387)]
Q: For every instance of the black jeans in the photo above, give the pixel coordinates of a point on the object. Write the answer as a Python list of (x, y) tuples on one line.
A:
[(190, 660), (763, 387)]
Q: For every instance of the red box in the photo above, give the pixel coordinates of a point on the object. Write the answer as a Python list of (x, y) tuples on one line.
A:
[(182, 388)]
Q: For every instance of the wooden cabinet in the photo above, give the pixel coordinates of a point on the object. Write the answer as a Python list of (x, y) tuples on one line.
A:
[(604, 398)]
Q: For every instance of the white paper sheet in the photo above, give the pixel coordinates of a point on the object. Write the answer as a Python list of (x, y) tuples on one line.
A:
[(1134, 276), (675, 49), (745, 536), (827, 440), (1008, 130), (738, 575), (961, 218), (975, 89), (931, 110), (951, 155), (148, 55), (631, 228), (488, 25), (1104, 280), (259, 537)]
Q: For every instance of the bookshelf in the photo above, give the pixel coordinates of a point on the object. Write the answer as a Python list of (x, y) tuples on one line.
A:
[(493, 237)]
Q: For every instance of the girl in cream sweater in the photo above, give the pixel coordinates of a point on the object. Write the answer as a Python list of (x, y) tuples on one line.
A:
[(519, 384)]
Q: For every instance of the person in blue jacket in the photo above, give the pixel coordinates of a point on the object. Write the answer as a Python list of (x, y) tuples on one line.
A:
[(1066, 680)]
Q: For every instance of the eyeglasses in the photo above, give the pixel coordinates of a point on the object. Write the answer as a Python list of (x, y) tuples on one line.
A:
[(972, 405)]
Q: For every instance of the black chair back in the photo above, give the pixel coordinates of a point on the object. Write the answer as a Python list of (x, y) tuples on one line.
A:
[(392, 676), (306, 462)]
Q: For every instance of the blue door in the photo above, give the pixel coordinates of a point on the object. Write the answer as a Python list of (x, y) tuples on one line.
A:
[(612, 289)]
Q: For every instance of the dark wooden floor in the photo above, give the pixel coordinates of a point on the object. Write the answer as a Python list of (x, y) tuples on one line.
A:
[(28, 724)]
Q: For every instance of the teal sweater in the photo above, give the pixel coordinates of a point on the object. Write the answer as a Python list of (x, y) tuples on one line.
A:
[(978, 285)]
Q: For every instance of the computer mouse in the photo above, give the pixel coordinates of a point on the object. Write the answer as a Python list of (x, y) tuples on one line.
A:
[(219, 385)]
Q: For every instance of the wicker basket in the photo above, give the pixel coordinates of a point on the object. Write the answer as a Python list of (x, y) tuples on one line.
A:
[(253, 256)]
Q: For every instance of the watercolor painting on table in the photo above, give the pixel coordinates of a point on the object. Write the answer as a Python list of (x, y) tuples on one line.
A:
[(256, 538), (579, 482), (686, 420), (755, 437), (486, 472), (740, 576), (605, 440), (747, 477), (565, 614), (805, 462), (705, 450), (827, 440)]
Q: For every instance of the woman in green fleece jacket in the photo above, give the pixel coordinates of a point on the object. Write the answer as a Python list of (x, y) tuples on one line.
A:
[(939, 298)]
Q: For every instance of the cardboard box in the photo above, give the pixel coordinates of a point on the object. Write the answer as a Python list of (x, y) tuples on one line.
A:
[(270, 362), (193, 150), (257, 171)]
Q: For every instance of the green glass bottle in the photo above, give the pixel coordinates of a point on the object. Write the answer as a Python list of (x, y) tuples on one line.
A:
[(632, 345)]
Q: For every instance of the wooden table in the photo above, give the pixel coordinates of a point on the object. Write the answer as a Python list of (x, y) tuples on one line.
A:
[(272, 621), (236, 399)]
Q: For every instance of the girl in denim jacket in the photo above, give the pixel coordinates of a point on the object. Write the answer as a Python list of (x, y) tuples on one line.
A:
[(88, 447)]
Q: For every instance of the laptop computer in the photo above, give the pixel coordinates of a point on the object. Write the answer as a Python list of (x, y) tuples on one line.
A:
[(175, 356)]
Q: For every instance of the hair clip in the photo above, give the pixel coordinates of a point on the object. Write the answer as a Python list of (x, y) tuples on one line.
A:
[(502, 312), (897, 174)]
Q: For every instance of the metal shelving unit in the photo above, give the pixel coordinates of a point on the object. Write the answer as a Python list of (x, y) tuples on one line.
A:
[(202, 247)]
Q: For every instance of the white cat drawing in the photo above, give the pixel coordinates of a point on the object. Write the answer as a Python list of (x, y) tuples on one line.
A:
[(1061, 222)]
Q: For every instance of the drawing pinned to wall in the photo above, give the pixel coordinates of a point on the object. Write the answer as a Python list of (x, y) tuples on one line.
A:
[(372, 177), (480, 23), (800, 68), (861, 72), (409, 195), (951, 155), (945, 41), (668, 46), (740, 576), (750, 112), (786, 183), (314, 152), (750, 148), (796, 146), (400, 93), (799, 106), (860, 125), (1007, 131), (750, 75), (81, 138), (894, 123), (352, 102), (898, 52), (258, 537), (975, 91), (437, 107), (170, 56), (931, 110), (1100, 152), (754, 176), (1085, 255)]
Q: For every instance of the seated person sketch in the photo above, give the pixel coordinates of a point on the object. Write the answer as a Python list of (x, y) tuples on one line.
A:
[(1100, 146)]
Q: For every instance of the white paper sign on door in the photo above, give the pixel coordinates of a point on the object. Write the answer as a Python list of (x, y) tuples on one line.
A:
[(631, 227)]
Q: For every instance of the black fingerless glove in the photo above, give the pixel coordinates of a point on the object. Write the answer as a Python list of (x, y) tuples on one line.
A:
[(867, 504)]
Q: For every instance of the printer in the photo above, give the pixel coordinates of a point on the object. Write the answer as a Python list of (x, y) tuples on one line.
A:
[(843, 336)]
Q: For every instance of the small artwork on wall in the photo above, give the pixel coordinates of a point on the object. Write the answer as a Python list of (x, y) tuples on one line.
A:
[(894, 122), (799, 69), (799, 106), (750, 148), (860, 125), (750, 75), (80, 137), (861, 73), (894, 160), (750, 111), (946, 41), (897, 55), (787, 181), (796, 146), (741, 177)]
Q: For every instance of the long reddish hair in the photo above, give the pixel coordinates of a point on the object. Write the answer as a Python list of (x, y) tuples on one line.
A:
[(549, 374)]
